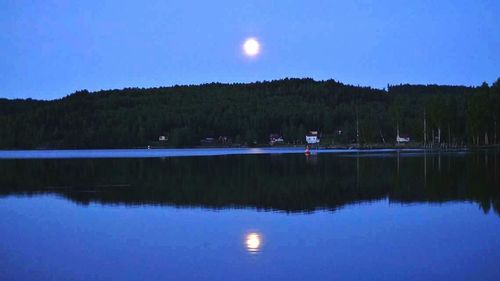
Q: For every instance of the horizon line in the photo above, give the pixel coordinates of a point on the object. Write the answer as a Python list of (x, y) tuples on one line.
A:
[(248, 83)]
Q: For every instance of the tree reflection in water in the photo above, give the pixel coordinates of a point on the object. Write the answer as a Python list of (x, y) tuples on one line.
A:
[(290, 183)]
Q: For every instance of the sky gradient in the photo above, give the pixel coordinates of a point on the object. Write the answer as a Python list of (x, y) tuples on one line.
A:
[(50, 49)]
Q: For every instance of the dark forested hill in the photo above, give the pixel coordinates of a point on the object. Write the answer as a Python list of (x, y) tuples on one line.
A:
[(248, 113)]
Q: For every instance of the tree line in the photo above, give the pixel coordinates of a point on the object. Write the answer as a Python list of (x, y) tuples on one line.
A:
[(248, 113)]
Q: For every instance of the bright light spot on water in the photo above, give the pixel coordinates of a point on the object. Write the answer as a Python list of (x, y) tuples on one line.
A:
[(253, 242)]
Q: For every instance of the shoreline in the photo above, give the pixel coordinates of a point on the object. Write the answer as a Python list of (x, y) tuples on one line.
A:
[(443, 147)]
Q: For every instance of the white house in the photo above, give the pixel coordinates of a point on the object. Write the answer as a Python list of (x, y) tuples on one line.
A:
[(312, 137), (402, 139)]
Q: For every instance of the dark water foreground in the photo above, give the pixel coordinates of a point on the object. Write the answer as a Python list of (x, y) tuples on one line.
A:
[(376, 216)]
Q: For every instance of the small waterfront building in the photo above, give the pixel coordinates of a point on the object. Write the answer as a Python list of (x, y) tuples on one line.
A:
[(312, 137), (162, 138), (402, 139), (207, 141), (275, 139)]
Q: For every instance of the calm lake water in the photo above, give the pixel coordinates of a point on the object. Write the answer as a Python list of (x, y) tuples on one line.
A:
[(379, 215)]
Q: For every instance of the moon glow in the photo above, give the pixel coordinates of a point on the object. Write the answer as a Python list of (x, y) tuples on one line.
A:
[(253, 242), (251, 47)]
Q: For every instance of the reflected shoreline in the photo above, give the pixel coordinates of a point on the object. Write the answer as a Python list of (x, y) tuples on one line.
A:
[(288, 183)]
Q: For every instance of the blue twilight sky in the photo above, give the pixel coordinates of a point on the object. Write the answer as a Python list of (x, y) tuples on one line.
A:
[(51, 48)]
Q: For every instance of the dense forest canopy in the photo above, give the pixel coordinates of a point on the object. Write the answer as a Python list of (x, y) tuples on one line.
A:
[(249, 113)]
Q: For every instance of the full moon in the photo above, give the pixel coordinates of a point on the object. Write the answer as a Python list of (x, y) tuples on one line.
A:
[(251, 47)]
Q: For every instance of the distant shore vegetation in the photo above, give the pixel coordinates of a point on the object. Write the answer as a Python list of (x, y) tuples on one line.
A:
[(252, 113)]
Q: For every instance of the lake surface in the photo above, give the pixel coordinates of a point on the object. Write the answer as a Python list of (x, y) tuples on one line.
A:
[(376, 215), (182, 152)]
